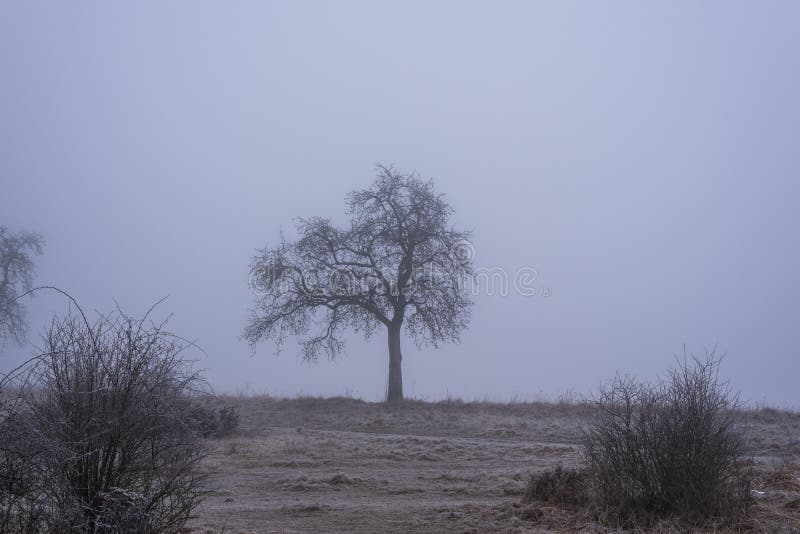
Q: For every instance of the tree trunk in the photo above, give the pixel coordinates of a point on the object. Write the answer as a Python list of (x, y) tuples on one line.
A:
[(395, 391)]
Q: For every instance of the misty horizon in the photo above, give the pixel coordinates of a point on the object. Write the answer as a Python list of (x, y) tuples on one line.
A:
[(629, 174)]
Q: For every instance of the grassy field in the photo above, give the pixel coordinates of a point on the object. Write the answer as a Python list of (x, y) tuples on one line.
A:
[(344, 465)]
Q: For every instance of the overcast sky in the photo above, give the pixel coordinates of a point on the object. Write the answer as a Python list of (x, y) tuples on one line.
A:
[(642, 157)]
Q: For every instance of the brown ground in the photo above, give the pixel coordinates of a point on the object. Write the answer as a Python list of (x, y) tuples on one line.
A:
[(343, 465)]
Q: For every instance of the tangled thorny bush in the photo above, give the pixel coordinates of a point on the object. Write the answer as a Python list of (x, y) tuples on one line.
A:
[(104, 440), (671, 449)]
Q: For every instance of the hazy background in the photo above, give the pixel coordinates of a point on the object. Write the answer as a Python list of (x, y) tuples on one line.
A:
[(643, 157)]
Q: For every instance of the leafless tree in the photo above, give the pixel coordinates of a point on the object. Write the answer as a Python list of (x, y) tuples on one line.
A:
[(16, 277), (398, 263)]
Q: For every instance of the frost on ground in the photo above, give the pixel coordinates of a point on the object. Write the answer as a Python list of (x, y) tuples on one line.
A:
[(343, 465)]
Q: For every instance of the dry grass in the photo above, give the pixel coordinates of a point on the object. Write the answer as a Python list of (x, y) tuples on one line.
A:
[(344, 465)]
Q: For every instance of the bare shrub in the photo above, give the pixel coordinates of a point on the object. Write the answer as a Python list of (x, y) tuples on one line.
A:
[(18, 511), (670, 449), (559, 486), (104, 438), (212, 419), (21, 486)]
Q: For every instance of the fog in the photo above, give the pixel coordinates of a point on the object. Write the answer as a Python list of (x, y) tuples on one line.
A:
[(642, 159)]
